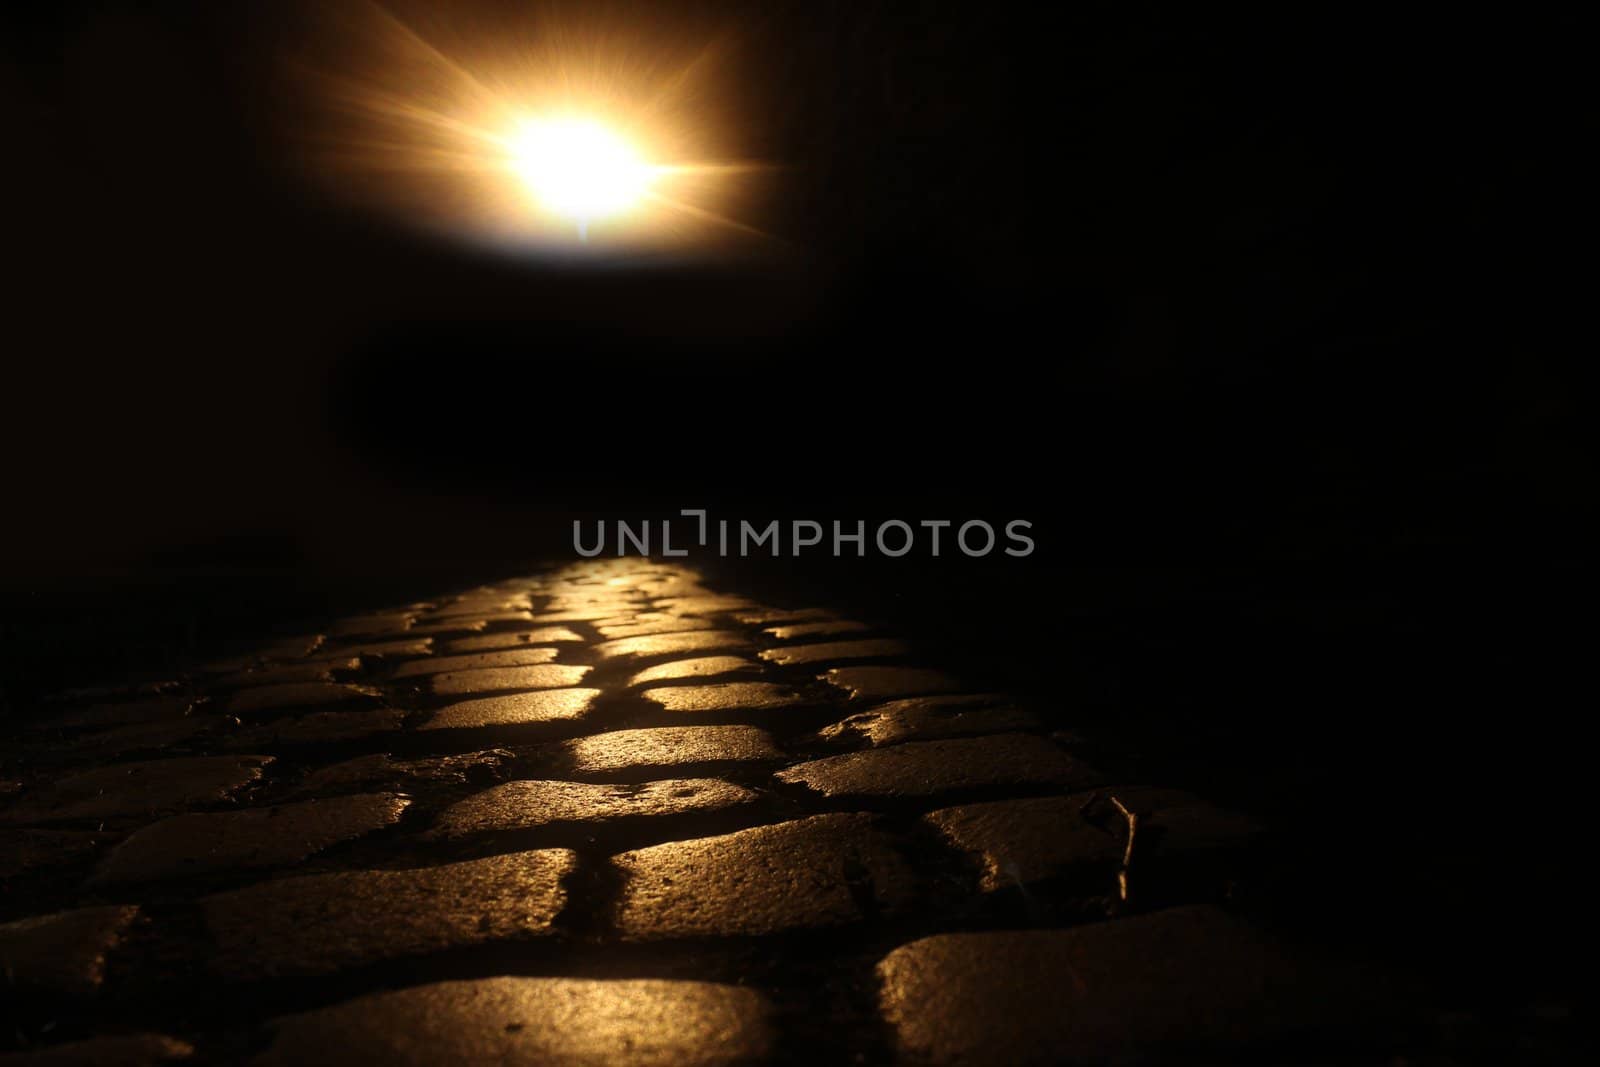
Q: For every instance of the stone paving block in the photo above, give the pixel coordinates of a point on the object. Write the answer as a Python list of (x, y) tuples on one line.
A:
[(459, 626), (323, 923), (381, 769), (105, 716), (202, 844), (530, 805), (297, 695), (669, 748), (818, 628), (889, 683), (190, 732), (368, 625), (415, 646), (728, 696), (775, 616), (514, 657), (291, 674), (1020, 842), (702, 667), (544, 635), (517, 709), (319, 727), (671, 644), (835, 652), (651, 623), (124, 1050), (130, 789), (929, 719), (592, 614), (809, 874), (1180, 984), (928, 768), (22, 851), (553, 1022), (65, 952), (505, 679), (703, 604)]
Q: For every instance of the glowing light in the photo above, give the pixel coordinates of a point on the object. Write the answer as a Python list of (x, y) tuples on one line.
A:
[(579, 169)]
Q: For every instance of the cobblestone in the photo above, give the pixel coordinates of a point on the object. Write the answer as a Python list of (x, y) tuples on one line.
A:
[(703, 667), (810, 874), (930, 719), (28, 850), (817, 628), (671, 644), (382, 770), (1129, 990), (834, 652), (730, 696), (544, 635), (131, 789), (298, 695), (556, 1021), (929, 768), (517, 657), (63, 953), (200, 844), (323, 923), (131, 1050), (889, 683), (669, 748), (531, 805), (505, 679), (540, 706), (319, 727)]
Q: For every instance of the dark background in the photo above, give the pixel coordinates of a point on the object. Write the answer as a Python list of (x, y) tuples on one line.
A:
[(1263, 322)]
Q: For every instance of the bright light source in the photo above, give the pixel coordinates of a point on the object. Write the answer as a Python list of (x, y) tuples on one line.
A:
[(579, 170)]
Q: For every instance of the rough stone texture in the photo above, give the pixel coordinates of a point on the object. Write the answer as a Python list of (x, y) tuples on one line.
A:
[(544, 635), (889, 683), (703, 604), (671, 644), (65, 952), (802, 875), (366, 625), (515, 657), (322, 923), (1024, 841), (129, 1050), (669, 747), (835, 652), (499, 679), (1189, 982), (928, 768), (649, 623), (104, 716), (929, 719), (560, 1022), (291, 674), (319, 727), (542, 706), (703, 667), (188, 845), (771, 616), (129, 789), (730, 696), (365, 772), (30, 850), (533, 804), (297, 695), (819, 628), (416, 646)]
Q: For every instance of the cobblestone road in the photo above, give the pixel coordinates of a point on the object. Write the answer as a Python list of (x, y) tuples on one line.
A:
[(608, 815)]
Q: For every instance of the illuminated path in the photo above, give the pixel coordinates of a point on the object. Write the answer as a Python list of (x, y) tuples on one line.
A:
[(607, 815)]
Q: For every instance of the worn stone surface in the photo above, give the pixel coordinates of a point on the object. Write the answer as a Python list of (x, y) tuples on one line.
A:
[(413, 646), (803, 875), (728, 696), (541, 706), (929, 719), (701, 667), (30, 850), (105, 716), (671, 644), (513, 657), (125, 1050), (65, 952), (381, 769), (1188, 983), (201, 844), (533, 804), (319, 727), (562, 1022), (286, 674), (129, 789), (668, 748), (504, 679), (889, 683), (835, 652), (928, 768), (1020, 842), (544, 635), (322, 923), (296, 695), (821, 628), (651, 622)]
